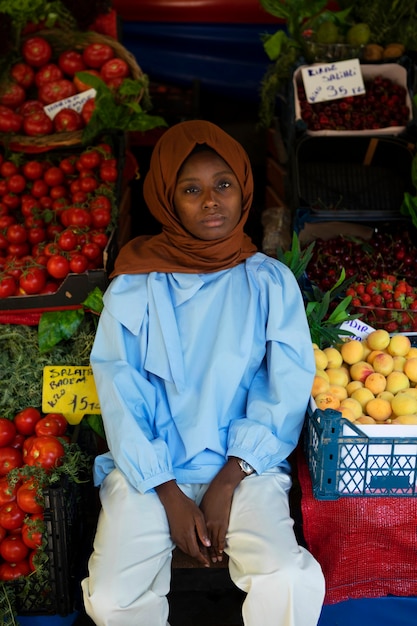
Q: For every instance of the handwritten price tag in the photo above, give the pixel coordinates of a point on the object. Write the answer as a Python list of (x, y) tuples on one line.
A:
[(332, 81), (69, 390)]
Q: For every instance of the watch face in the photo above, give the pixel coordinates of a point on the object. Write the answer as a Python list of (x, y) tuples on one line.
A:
[(245, 467)]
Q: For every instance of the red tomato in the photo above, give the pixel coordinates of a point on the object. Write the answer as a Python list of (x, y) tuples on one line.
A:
[(91, 250), (67, 240), (25, 420), (108, 173), (18, 441), (56, 90), (48, 73), (88, 184), (36, 51), (13, 549), (46, 451), (100, 217), (13, 571), (33, 170), (10, 458), (11, 200), (58, 417), (48, 426), (115, 68), (68, 120), (29, 107), (16, 233), (90, 159), (33, 280), (11, 516), (7, 431), (3, 533), (80, 85), (16, 183), (96, 54), (54, 176), (36, 234), (71, 62), (23, 74), (99, 237), (38, 124), (19, 250), (28, 498), (8, 286), (10, 121), (32, 531), (77, 216), (40, 188), (78, 263), (57, 266), (88, 110), (7, 493), (13, 96), (67, 165)]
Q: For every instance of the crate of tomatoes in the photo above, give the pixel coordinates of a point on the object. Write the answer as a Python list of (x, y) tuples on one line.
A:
[(59, 211), (41, 471)]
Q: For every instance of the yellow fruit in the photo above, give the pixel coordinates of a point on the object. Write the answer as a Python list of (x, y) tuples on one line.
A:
[(410, 369), (334, 358), (321, 359), (372, 355), (358, 34), (327, 32), (360, 370), (352, 351), (383, 363), (366, 349), (376, 382), (385, 395), (327, 401), (379, 409), (347, 413), (378, 339), (363, 396), (397, 381), (411, 353), (404, 404), (353, 405), (338, 391), (320, 385), (365, 419), (337, 376), (399, 345), (399, 362), (353, 385), (410, 391), (405, 419)]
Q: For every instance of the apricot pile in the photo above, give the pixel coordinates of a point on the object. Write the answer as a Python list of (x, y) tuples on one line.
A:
[(372, 381)]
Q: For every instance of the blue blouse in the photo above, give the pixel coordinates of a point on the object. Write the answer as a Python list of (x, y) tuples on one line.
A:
[(193, 368)]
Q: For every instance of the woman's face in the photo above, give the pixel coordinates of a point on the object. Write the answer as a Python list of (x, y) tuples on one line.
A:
[(207, 197)]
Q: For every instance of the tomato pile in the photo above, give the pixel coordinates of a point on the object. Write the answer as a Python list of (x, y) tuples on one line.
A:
[(55, 217), (381, 106), (30, 440), (42, 77)]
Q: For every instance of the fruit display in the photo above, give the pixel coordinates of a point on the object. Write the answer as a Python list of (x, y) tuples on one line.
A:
[(372, 381), (383, 105), (56, 215)]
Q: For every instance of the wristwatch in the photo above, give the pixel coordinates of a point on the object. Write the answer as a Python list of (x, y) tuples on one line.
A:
[(245, 467)]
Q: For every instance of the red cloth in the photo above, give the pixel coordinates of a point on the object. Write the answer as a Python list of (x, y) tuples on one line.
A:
[(366, 546)]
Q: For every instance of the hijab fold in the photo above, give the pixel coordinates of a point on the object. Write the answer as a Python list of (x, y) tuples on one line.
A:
[(175, 249)]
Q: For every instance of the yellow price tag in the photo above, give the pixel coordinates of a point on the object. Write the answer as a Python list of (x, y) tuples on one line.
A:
[(70, 390)]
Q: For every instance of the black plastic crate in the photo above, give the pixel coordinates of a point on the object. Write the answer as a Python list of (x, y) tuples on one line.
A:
[(351, 177)]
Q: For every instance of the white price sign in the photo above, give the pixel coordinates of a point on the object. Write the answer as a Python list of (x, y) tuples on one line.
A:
[(331, 81)]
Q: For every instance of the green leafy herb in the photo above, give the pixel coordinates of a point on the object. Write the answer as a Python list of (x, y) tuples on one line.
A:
[(296, 258)]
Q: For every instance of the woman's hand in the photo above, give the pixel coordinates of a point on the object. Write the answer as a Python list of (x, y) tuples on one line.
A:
[(186, 522), (216, 505)]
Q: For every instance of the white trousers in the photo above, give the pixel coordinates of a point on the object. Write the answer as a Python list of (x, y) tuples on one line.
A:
[(130, 567)]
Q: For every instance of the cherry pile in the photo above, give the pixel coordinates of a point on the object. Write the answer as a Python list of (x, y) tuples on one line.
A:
[(382, 105)]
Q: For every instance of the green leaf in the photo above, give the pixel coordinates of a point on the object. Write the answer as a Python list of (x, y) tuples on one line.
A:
[(274, 43), (94, 301), (95, 422), (55, 326)]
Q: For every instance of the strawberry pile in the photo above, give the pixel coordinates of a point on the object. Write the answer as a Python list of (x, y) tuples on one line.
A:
[(382, 105), (387, 303), (56, 214)]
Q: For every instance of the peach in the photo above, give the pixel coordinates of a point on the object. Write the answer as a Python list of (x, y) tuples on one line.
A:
[(365, 419), (334, 358), (376, 382), (405, 419), (321, 359), (337, 376), (347, 413), (397, 381), (363, 396), (378, 339), (410, 391), (399, 362), (353, 385), (410, 369), (327, 401), (385, 395), (411, 353), (353, 405), (379, 409), (338, 390), (352, 351), (323, 374), (404, 404), (399, 345), (372, 355), (366, 349), (320, 385), (360, 370), (383, 363)]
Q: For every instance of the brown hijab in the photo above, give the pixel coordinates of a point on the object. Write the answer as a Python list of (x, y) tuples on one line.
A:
[(174, 249)]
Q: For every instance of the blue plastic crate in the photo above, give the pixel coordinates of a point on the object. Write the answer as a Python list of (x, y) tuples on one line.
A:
[(344, 461)]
